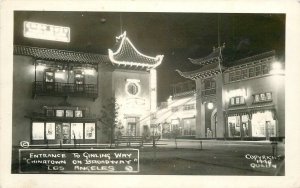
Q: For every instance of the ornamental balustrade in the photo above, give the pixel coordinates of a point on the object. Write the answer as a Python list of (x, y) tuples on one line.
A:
[(41, 88)]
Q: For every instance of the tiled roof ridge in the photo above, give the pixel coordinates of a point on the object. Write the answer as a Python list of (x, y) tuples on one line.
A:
[(216, 54), (63, 55), (255, 57)]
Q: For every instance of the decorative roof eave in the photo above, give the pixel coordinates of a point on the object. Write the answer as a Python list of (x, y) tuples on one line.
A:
[(130, 64), (195, 75), (157, 60), (215, 55), (60, 55)]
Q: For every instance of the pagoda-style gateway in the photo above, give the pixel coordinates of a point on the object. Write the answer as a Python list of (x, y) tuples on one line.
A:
[(243, 100), (59, 96), (134, 86)]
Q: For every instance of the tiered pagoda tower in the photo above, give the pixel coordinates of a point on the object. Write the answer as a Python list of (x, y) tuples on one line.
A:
[(134, 86)]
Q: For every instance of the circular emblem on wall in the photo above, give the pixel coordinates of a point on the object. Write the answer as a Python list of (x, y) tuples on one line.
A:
[(132, 87)]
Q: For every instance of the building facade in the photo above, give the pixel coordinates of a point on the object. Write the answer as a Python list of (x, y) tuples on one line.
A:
[(59, 96), (178, 114), (242, 101)]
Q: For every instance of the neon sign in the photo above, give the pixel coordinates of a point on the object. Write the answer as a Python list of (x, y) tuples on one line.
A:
[(46, 31)]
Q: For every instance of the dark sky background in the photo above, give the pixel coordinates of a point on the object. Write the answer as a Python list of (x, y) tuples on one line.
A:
[(177, 36)]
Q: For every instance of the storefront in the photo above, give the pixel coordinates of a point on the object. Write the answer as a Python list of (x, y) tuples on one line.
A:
[(257, 124), (63, 125)]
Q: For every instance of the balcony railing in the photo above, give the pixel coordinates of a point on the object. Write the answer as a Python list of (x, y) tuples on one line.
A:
[(41, 88), (208, 92)]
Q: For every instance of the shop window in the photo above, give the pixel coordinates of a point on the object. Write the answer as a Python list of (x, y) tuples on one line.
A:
[(257, 70), (263, 124), (38, 131), (90, 131), (251, 72), (50, 131), (234, 128), (60, 113), (244, 74), (245, 126), (189, 127), (76, 130), (263, 97), (69, 113)]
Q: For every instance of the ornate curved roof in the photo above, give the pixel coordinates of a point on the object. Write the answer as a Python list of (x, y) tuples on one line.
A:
[(214, 56), (203, 72), (60, 55), (126, 54)]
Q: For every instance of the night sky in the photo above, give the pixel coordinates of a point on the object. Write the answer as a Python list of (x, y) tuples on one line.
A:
[(177, 36)]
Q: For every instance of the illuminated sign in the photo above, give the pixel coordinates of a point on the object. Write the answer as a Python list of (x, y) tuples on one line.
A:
[(46, 32)]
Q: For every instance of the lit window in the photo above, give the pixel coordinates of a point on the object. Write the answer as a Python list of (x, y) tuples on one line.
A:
[(269, 96), (49, 76), (262, 97), (76, 130), (89, 131), (232, 101), (78, 113), (242, 100), (256, 98), (79, 78), (69, 113), (237, 100), (50, 131), (38, 131), (60, 113)]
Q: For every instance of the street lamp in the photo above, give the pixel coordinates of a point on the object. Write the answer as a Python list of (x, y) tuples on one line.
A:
[(210, 105), (276, 68)]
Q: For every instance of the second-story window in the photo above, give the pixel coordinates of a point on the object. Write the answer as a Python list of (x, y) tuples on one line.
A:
[(49, 76), (244, 74), (79, 81)]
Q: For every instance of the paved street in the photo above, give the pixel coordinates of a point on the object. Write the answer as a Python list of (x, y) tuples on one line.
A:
[(215, 158), (207, 157)]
